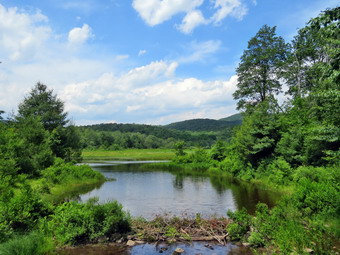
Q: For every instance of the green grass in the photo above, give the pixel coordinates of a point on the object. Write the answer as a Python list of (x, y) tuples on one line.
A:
[(65, 181), (130, 154), (32, 244)]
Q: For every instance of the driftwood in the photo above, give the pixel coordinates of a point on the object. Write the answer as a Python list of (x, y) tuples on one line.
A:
[(174, 229)]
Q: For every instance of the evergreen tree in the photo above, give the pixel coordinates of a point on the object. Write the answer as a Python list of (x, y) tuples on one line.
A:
[(43, 103)]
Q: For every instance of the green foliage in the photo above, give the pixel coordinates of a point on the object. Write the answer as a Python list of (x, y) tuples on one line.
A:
[(66, 144), (42, 103), (279, 171), (218, 151), (44, 108), (179, 149), (75, 223), (125, 136), (261, 68), (21, 212), (233, 164), (62, 172), (33, 243), (240, 225), (32, 152)]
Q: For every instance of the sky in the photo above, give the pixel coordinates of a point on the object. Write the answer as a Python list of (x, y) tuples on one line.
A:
[(136, 61)]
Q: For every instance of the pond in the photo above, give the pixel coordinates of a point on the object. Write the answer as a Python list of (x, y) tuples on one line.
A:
[(148, 193)]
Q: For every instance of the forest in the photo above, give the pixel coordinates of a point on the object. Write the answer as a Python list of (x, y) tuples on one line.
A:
[(291, 146), (196, 132)]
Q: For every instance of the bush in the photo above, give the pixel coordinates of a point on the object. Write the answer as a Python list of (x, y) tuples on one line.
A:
[(62, 172), (21, 212), (279, 171), (240, 225), (317, 198), (75, 223), (256, 239), (33, 243)]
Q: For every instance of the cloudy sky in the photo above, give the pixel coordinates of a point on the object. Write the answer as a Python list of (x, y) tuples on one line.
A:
[(136, 61)]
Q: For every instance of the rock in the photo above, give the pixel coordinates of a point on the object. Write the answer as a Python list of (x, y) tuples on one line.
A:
[(246, 244), (209, 246), (139, 242), (131, 243), (308, 250), (178, 251), (163, 249)]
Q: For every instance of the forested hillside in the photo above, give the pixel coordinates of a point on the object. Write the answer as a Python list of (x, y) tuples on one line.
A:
[(207, 124), (121, 136)]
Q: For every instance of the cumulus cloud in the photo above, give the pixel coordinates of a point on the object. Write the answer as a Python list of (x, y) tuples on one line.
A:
[(151, 90), (79, 35), (155, 12), (22, 34), (191, 21)]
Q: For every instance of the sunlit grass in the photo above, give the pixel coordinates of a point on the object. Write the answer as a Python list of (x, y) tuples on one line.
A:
[(131, 154)]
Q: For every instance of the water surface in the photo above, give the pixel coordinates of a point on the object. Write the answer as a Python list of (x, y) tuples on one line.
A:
[(149, 193)]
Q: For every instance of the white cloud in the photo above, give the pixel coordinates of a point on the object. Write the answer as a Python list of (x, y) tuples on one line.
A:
[(200, 51), (22, 34), (79, 35), (228, 7), (141, 52), (150, 91), (191, 21), (155, 12)]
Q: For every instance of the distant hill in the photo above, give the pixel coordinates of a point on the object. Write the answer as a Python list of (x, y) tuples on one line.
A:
[(232, 118), (207, 124)]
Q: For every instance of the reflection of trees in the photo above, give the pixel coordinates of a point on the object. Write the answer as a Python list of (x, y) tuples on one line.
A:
[(83, 189), (178, 182), (245, 195)]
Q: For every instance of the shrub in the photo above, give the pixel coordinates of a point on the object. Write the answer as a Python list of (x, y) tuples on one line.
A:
[(232, 164), (62, 172), (240, 225), (279, 171), (21, 212), (75, 223), (256, 239)]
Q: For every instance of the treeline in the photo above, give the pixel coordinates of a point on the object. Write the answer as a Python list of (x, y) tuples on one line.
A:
[(295, 144), (124, 136)]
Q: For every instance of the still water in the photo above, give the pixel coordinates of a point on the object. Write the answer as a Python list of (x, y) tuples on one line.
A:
[(148, 193)]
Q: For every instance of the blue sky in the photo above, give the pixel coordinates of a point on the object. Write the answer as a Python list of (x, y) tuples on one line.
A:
[(138, 61)]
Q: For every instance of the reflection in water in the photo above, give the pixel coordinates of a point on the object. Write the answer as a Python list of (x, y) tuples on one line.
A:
[(148, 193)]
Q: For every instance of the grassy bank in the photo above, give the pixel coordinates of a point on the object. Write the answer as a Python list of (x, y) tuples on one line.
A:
[(64, 181), (130, 154)]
